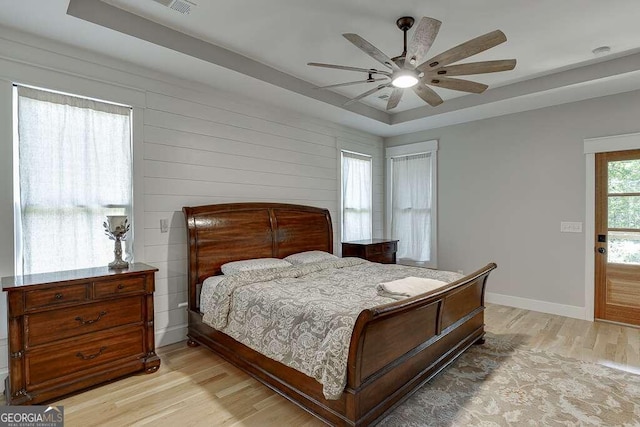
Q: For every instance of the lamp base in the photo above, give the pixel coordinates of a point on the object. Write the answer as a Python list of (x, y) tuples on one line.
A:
[(118, 264)]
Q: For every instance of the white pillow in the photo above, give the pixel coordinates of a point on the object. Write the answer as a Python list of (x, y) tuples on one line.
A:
[(253, 264), (310, 256)]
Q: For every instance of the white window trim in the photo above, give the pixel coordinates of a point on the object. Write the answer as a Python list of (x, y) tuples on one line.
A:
[(592, 146), (99, 92), (340, 186), (137, 174), (430, 147), (343, 144)]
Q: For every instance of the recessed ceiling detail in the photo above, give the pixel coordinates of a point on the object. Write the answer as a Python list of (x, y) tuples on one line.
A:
[(265, 58), (411, 69)]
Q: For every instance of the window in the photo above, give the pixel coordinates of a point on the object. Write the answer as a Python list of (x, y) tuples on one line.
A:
[(73, 167), (411, 191), (356, 196)]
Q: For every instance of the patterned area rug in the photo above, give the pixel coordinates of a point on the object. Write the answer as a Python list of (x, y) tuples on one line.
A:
[(499, 384)]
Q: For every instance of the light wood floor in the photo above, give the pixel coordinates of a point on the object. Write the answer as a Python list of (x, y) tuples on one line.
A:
[(194, 387)]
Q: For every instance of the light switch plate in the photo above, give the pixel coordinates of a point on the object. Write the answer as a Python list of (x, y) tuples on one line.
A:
[(164, 226), (570, 227)]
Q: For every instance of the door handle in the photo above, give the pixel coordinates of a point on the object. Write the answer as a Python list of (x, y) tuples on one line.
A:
[(602, 250)]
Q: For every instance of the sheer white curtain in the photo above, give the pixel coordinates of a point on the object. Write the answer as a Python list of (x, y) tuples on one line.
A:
[(356, 197), (411, 206), (75, 167)]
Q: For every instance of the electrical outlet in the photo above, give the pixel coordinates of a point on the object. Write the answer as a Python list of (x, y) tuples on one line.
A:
[(164, 225), (570, 227)]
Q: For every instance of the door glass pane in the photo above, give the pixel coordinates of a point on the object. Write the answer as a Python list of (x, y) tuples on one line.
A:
[(624, 247), (624, 212), (624, 176)]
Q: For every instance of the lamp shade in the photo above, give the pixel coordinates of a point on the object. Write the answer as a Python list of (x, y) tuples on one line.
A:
[(116, 223)]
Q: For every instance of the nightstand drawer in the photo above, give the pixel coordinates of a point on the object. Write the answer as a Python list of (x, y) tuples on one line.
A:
[(54, 325), (118, 287), (390, 247), (42, 298), (381, 248), (383, 258), (56, 361), (374, 250)]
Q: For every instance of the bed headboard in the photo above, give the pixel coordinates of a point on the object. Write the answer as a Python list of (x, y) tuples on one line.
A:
[(235, 231)]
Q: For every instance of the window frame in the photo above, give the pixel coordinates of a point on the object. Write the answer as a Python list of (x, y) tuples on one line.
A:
[(426, 147), (343, 150), (135, 242)]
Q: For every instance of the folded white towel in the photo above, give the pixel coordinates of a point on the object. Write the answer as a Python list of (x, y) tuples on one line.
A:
[(408, 287)]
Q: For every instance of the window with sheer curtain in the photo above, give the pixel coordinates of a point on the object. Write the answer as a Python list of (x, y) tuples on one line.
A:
[(74, 167), (356, 197), (411, 206)]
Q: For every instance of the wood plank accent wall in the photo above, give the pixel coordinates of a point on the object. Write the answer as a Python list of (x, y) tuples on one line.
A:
[(197, 152), (200, 146)]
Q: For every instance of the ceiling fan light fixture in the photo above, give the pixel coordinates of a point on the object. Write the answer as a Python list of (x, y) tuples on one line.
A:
[(404, 79), (403, 72)]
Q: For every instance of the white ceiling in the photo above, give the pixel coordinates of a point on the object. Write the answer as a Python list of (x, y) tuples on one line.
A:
[(268, 44)]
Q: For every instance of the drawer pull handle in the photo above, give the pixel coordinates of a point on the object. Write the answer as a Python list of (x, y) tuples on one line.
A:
[(91, 356), (120, 286), (88, 322), (59, 296)]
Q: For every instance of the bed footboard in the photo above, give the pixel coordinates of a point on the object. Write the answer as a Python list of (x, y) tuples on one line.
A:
[(398, 346)]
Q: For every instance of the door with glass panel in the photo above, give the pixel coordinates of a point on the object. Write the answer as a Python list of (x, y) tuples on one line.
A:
[(617, 251)]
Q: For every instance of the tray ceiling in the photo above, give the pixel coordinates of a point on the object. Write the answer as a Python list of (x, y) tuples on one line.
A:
[(260, 49)]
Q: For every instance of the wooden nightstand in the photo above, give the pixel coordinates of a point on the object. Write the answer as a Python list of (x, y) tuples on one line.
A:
[(375, 250), (71, 330)]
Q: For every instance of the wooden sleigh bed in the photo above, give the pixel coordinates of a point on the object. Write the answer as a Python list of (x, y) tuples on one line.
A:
[(394, 348)]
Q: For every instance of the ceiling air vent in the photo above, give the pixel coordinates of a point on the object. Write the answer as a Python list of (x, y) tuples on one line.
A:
[(182, 6)]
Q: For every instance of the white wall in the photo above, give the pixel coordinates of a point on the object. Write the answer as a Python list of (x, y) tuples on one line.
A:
[(197, 145), (504, 186), (198, 152)]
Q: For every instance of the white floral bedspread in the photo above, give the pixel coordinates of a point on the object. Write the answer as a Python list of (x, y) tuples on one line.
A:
[(303, 316)]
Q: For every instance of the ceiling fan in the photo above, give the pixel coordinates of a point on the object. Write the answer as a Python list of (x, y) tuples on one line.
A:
[(411, 70)]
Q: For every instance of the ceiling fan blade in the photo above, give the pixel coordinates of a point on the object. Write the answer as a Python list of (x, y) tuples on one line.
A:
[(371, 50), (428, 95), (423, 37), (475, 68), (395, 97), (364, 95), (456, 84), (345, 67), (350, 83), (464, 50)]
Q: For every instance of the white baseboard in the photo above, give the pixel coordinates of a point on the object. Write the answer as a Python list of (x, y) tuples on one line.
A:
[(171, 335), (536, 305)]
